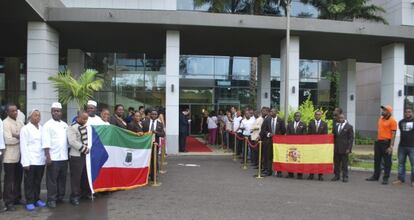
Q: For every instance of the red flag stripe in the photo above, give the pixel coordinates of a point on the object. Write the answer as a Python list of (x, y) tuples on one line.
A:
[(113, 178), (303, 168), (303, 139)]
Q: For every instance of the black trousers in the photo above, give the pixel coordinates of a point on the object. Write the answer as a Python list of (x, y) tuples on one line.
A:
[(151, 167), (182, 141), (380, 154), (240, 144), (56, 180), (255, 153), (78, 177), (32, 180), (13, 175), (1, 169), (268, 154), (341, 164), (231, 141)]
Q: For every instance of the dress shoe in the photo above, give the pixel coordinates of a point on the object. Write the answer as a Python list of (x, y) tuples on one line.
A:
[(2, 207), (10, 208), (336, 178), (310, 177), (290, 175), (74, 202), (320, 178), (372, 178), (300, 176), (51, 204), (279, 174), (345, 179), (266, 173), (384, 182)]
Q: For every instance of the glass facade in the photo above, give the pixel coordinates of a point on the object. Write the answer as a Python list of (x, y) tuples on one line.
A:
[(12, 83), (298, 8), (409, 87), (132, 79)]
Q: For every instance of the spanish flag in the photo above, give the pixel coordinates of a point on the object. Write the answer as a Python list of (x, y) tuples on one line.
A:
[(303, 153)]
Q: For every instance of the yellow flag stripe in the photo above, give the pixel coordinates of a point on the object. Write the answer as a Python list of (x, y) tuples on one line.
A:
[(303, 153)]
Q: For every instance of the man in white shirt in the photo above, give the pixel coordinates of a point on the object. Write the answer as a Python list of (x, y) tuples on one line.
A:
[(246, 126), (32, 160), (93, 118), (255, 137), (54, 141), (236, 129), (2, 147)]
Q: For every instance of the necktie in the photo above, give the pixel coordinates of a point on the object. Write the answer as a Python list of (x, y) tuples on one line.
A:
[(295, 126), (152, 125), (317, 126), (273, 126), (340, 128)]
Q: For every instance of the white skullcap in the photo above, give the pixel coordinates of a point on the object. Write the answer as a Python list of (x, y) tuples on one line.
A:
[(91, 102), (57, 105), (32, 111)]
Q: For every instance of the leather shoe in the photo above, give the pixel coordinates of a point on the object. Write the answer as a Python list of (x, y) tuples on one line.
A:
[(10, 208), (51, 204), (336, 178), (320, 178), (279, 174), (384, 182), (74, 202), (372, 178), (345, 179), (310, 177), (300, 176)]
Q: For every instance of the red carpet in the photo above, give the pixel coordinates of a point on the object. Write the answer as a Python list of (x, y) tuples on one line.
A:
[(194, 145)]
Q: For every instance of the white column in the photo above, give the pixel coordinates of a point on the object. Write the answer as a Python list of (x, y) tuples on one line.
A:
[(347, 89), (263, 79), (76, 64), (172, 90), (392, 80), (42, 62), (293, 95)]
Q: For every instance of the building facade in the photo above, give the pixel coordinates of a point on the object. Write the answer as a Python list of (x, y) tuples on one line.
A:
[(173, 52)]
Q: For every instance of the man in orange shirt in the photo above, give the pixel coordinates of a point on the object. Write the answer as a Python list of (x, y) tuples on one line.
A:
[(387, 127)]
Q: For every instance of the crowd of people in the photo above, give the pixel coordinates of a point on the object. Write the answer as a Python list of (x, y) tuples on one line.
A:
[(28, 149), (234, 126)]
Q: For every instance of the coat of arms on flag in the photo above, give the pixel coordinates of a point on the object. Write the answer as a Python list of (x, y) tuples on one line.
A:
[(303, 153), (118, 159)]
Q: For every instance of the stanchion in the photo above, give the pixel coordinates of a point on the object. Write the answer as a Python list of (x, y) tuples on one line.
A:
[(162, 164), (154, 165), (245, 154), (228, 141), (259, 173), (235, 144)]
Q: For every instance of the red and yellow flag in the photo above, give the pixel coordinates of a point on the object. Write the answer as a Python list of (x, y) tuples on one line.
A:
[(303, 153)]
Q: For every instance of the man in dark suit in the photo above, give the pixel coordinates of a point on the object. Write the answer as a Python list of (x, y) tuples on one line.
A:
[(317, 126), (156, 127), (343, 141), (296, 127), (183, 129), (272, 125)]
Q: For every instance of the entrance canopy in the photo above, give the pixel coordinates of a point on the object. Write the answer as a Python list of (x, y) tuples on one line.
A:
[(224, 34)]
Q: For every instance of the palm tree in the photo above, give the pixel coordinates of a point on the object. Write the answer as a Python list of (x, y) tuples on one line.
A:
[(348, 10), (78, 90)]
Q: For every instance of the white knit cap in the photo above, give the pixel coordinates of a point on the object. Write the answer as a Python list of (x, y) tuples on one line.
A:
[(57, 105), (93, 103)]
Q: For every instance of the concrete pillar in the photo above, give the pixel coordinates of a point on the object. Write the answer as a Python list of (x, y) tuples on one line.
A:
[(263, 81), (172, 90), (392, 79), (42, 62), (293, 81), (76, 64), (347, 89)]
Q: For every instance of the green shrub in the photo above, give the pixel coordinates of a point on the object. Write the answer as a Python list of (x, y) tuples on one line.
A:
[(307, 109), (361, 140)]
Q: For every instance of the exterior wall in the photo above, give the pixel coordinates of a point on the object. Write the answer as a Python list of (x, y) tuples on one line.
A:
[(42, 62), (76, 64), (263, 79), (123, 4), (398, 12), (368, 96), (347, 87), (293, 97)]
